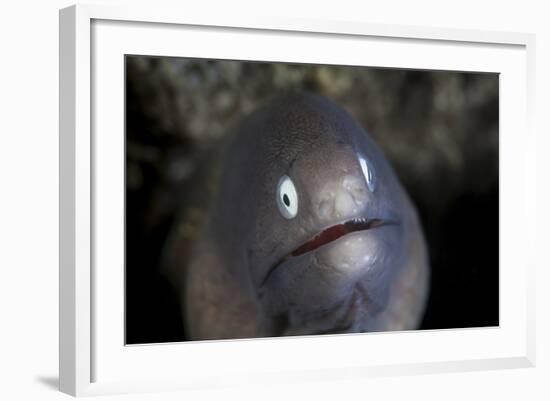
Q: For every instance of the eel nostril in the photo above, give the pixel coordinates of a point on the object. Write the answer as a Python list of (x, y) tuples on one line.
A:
[(359, 196), (344, 204), (342, 198), (355, 186)]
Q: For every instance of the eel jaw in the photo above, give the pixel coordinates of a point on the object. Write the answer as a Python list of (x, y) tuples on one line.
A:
[(329, 235), (334, 232)]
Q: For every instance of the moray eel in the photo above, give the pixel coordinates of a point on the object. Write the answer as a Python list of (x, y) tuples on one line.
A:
[(309, 232)]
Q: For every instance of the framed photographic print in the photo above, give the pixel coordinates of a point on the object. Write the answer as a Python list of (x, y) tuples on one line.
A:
[(263, 200)]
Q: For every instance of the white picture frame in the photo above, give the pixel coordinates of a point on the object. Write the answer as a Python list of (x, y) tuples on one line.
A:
[(93, 357)]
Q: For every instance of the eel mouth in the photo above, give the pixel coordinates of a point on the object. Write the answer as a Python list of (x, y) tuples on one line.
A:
[(331, 234), (334, 232)]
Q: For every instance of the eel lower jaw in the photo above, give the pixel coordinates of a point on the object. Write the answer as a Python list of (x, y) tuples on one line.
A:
[(329, 235)]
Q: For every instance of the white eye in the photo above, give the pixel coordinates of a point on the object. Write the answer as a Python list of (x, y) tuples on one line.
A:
[(287, 198), (368, 172)]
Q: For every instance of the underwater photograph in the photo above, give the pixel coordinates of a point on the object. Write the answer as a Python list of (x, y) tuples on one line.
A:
[(285, 199)]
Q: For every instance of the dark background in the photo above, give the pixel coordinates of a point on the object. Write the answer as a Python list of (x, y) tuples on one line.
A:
[(438, 129)]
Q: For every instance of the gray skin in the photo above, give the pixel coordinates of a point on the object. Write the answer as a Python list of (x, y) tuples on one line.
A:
[(242, 280)]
